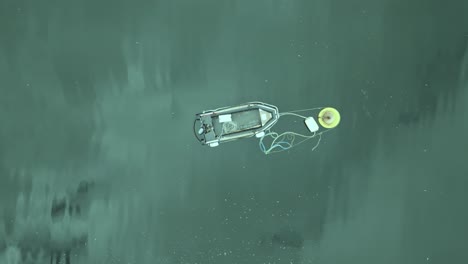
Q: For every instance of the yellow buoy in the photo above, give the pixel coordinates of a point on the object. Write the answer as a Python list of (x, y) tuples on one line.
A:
[(329, 117)]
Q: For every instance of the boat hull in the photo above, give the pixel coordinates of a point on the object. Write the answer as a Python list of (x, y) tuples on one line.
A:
[(236, 122)]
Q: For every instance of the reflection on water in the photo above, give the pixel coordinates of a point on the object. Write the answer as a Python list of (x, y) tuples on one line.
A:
[(98, 163)]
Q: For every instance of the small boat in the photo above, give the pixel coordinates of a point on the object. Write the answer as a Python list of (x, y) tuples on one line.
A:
[(213, 127)]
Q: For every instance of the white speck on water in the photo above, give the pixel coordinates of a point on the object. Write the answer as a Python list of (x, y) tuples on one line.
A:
[(136, 42), (364, 93), (299, 55), (266, 81)]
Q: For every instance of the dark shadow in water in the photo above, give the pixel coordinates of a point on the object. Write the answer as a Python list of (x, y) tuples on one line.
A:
[(288, 238)]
